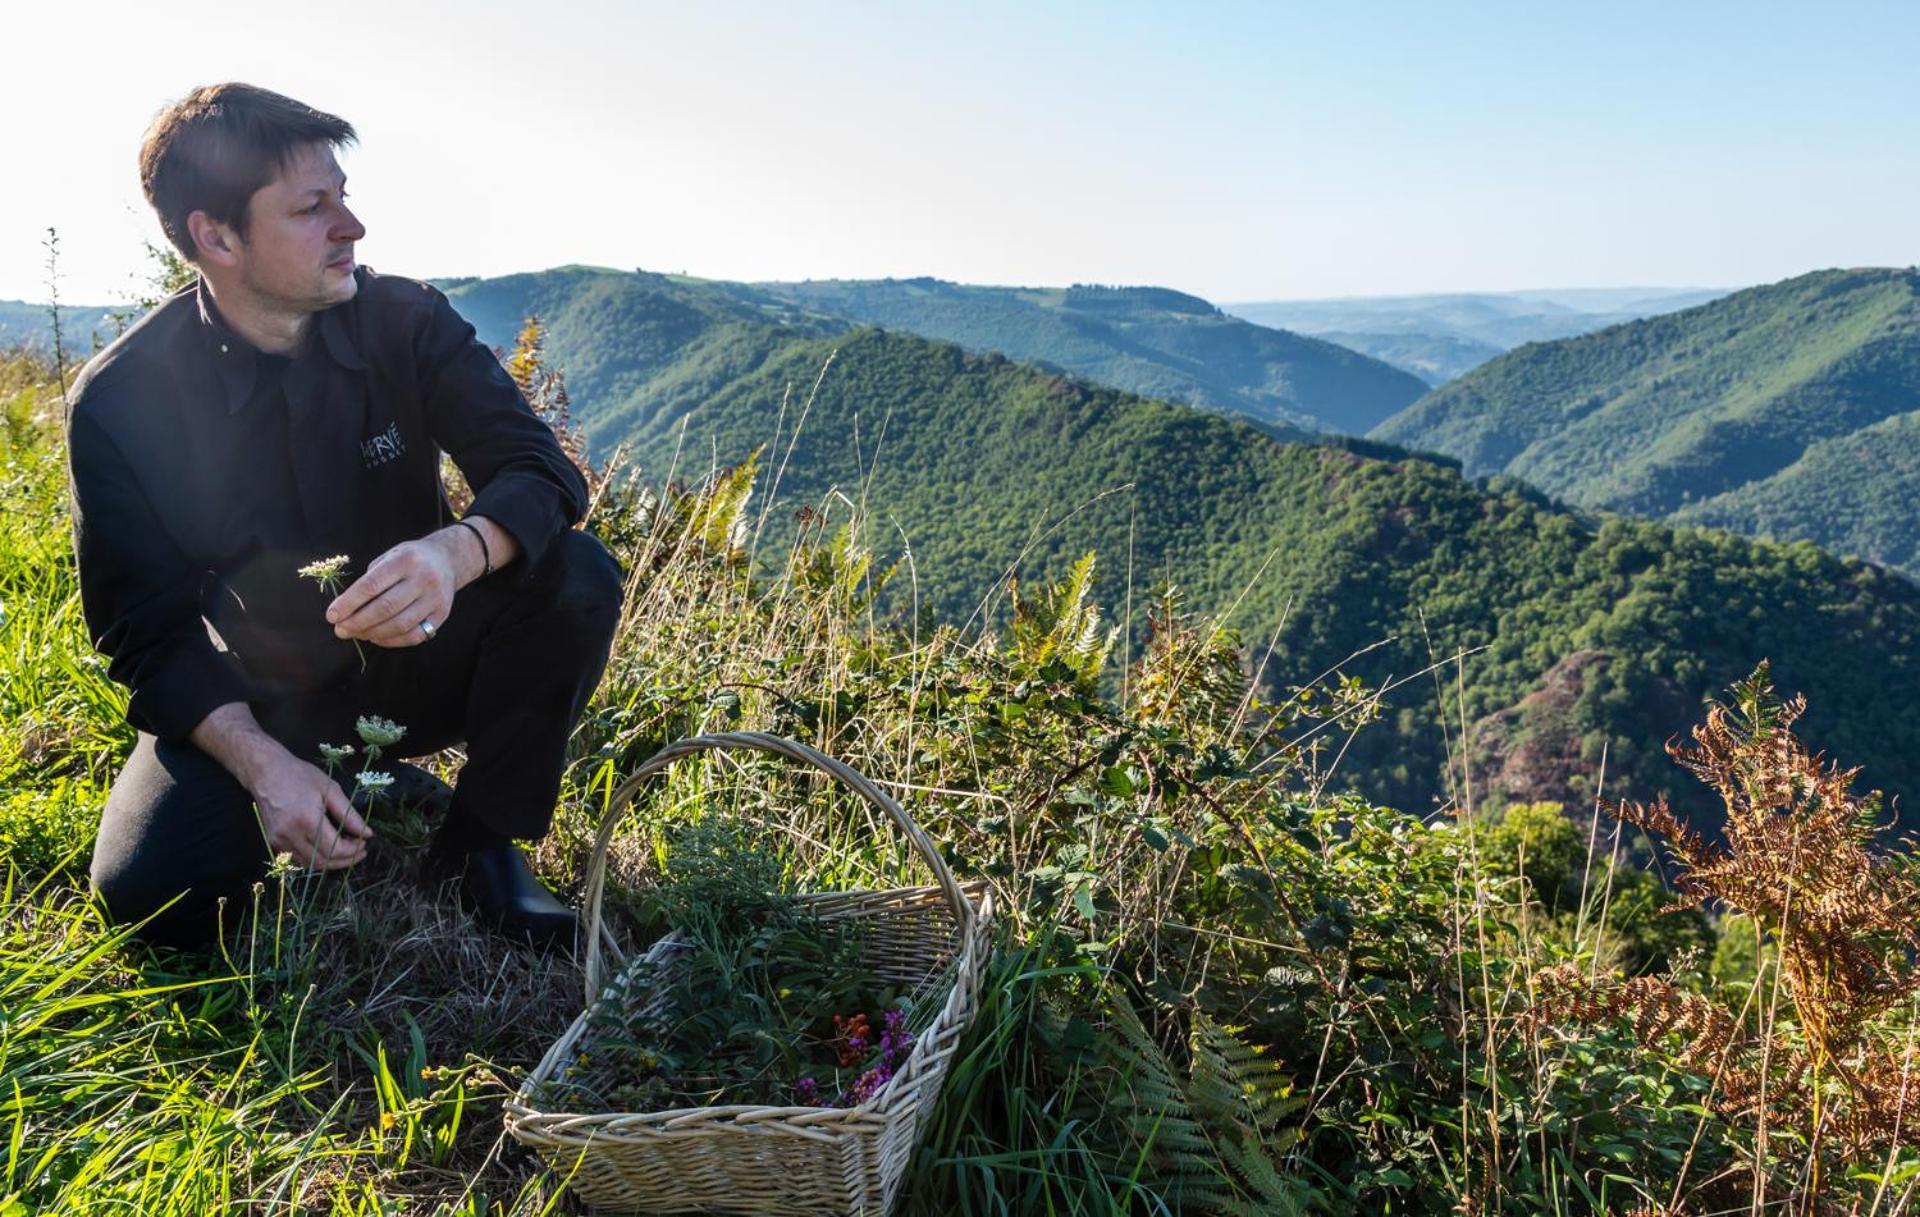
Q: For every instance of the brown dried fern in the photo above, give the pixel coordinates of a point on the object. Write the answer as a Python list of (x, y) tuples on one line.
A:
[(1800, 858), (1712, 1042)]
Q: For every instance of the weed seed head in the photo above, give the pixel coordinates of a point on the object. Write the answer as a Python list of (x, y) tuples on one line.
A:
[(378, 732)]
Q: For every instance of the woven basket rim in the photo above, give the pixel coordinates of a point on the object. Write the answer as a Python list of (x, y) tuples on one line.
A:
[(969, 957), (964, 910)]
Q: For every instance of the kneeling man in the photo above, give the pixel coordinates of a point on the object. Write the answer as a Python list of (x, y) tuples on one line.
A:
[(289, 407)]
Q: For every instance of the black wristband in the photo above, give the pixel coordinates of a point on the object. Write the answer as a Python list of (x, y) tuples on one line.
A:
[(486, 555)]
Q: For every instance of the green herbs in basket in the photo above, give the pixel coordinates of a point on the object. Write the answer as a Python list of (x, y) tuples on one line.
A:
[(761, 1003)]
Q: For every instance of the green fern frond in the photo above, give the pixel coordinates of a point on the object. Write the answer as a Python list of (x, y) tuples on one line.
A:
[(1209, 1137), (1235, 1085), (1064, 624), (1153, 1096), (1268, 1192), (716, 516)]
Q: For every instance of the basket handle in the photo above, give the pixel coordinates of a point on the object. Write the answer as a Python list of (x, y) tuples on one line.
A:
[(963, 909)]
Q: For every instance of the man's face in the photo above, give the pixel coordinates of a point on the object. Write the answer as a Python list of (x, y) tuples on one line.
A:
[(298, 252)]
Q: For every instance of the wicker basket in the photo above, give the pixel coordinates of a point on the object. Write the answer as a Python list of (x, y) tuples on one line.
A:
[(759, 1159)]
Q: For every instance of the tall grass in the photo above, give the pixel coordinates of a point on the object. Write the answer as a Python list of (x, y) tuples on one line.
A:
[(1221, 985)]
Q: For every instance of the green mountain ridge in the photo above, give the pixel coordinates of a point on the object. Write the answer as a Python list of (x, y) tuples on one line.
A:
[(981, 465), (1774, 411), (1877, 525), (635, 346), (1153, 341)]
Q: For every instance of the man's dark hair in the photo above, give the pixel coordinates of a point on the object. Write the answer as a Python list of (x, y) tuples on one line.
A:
[(211, 150)]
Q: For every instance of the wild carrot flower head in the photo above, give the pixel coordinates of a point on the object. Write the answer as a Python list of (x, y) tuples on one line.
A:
[(378, 732), (374, 780), (329, 573), (325, 570), (335, 753)]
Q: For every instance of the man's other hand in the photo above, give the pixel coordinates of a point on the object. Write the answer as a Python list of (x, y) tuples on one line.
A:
[(306, 814), (410, 583)]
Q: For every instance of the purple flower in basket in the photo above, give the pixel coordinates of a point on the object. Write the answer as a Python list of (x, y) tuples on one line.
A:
[(808, 1091), (869, 1084), (895, 1039)]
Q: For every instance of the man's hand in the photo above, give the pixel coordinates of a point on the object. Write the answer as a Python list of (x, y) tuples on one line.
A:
[(410, 583), (306, 814), (301, 810)]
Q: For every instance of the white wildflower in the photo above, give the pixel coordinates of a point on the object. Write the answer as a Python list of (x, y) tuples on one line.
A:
[(378, 732), (326, 571), (329, 573)]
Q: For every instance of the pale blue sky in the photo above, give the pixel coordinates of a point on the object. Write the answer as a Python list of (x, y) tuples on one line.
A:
[(1239, 151)]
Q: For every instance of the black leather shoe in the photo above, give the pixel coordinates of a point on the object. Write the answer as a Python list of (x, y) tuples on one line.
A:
[(498, 886)]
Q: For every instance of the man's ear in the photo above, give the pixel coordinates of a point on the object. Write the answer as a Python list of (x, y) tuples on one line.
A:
[(218, 243)]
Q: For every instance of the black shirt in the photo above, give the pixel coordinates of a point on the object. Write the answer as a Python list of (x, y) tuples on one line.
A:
[(206, 472)]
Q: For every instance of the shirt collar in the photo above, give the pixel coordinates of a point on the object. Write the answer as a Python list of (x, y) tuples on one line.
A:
[(232, 355), (237, 359), (336, 330)]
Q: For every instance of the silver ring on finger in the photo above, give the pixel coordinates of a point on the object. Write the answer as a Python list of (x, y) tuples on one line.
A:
[(427, 627)]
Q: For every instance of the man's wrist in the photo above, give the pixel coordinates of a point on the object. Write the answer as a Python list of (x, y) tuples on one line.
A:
[(474, 543), (232, 736), (480, 538), (462, 552)]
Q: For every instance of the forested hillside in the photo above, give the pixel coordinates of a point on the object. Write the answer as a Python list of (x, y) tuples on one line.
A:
[(1147, 340), (635, 346), (1583, 634), (1778, 411)]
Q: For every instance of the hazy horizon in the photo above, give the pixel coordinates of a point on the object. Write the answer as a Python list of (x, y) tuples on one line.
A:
[(67, 300)]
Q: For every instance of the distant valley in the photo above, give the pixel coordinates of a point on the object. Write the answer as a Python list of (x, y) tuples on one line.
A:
[(30, 325), (1439, 337)]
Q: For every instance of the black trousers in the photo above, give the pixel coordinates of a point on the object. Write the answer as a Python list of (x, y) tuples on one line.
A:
[(509, 673)]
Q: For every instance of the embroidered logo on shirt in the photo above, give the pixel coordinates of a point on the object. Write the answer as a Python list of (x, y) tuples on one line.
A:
[(384, 447)]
